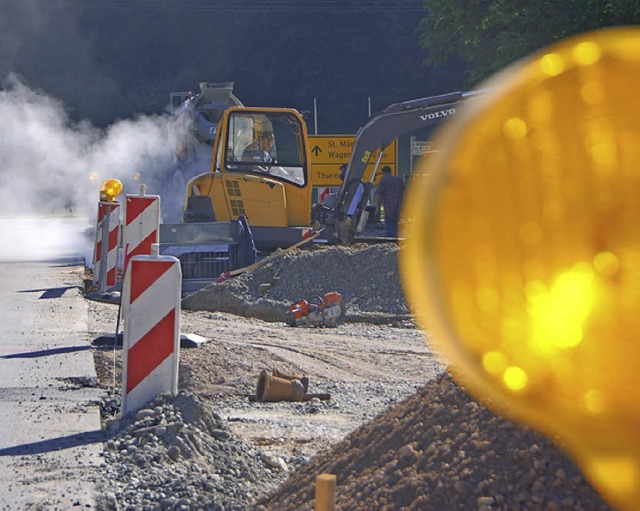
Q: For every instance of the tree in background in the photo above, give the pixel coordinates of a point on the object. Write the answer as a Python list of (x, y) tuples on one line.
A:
[(490, 34), (107, 60)]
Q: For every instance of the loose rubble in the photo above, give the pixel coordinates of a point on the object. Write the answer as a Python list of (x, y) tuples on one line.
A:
[(178, 454), (366, 276), (434, 450)]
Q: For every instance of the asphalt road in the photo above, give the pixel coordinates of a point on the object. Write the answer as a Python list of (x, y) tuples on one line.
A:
[(50, 435)]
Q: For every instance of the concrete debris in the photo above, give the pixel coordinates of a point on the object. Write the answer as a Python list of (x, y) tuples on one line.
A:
[(177, 454)]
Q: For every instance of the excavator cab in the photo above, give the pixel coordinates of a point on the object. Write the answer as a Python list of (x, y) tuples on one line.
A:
[(260, 170), (264, 143)]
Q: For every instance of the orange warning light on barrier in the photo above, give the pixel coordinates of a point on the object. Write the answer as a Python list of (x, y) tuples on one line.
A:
[(522, 251), (110, 189)]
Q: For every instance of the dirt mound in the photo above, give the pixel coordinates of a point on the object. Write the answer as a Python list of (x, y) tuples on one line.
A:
[(441, 450), (366, 275)]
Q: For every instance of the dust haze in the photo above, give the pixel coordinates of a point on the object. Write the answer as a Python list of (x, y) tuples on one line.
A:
[(52, 167)]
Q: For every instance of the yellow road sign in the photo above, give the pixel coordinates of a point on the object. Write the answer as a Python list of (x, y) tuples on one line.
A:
[(331, 149), (336, 149), (328, 152)]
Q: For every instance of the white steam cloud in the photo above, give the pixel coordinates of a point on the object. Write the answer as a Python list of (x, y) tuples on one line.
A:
[(51, 167)]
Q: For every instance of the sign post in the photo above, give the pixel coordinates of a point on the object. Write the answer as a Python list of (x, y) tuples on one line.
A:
[(419, 148)]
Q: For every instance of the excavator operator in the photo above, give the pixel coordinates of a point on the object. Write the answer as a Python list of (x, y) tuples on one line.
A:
[(261, 149)]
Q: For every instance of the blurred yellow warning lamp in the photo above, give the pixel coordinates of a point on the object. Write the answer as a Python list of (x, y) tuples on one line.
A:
[(110, 189), (522, 251)]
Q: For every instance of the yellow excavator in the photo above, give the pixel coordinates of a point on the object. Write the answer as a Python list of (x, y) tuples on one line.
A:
[(260, 170), (257, 195)]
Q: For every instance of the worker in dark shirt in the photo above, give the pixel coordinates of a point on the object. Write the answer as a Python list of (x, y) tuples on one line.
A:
[(389, 193)]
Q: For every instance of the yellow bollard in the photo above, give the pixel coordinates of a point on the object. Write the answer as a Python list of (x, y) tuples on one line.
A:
[(325, 492)]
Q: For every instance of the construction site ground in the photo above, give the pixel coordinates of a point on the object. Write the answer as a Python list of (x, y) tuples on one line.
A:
[(363, 368), (396, 430)]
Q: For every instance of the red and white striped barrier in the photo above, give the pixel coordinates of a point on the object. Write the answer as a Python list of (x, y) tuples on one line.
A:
[(141, 225), (151, 309), (105, 255)]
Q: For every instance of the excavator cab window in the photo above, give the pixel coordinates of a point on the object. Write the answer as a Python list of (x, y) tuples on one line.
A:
[(266, 143)]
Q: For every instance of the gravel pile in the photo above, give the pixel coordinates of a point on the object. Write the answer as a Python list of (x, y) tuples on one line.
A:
[(440, 450), (177, 454), (436, 450), (366, 276)]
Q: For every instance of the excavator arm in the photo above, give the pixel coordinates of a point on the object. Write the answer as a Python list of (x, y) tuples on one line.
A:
[(381, 129)]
